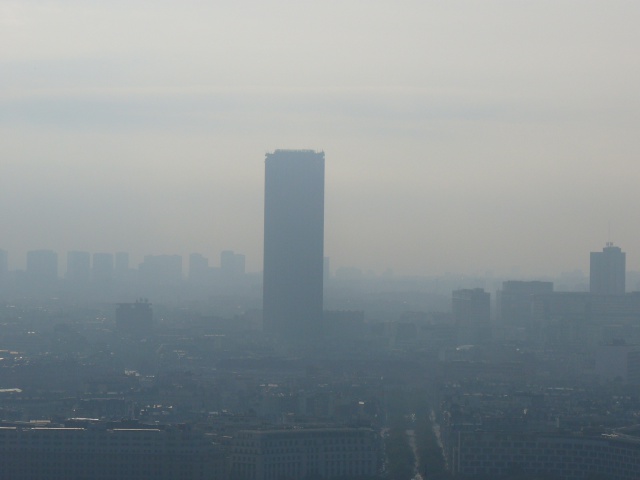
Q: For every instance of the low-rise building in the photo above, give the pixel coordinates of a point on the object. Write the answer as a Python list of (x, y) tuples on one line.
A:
[(322, 453)]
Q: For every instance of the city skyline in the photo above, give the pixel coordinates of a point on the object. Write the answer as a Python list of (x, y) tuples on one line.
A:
[(463, 138), (215, 261)]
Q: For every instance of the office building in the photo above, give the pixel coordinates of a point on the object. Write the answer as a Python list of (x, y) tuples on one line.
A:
[(607, 271), (515, 301), (293, 242), (618, 362), (321, 453), (198, 268), (482, 454)]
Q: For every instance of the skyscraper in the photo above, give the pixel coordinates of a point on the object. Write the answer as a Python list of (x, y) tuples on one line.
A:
[(293, 242), (607, 271), (515, 301)]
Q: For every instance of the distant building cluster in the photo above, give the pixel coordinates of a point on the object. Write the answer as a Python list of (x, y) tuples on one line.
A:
[(110, 274)]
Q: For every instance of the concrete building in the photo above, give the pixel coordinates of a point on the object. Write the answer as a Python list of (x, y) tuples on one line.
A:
[(102, 453), (293, 243), (607, 271), (321, 453), (515, 301), (566, 457)]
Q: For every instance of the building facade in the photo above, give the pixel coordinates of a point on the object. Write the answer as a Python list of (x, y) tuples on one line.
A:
[(566, 457), (293, 242), (109, 454), (321, 453), (515, 301), (607, 271)]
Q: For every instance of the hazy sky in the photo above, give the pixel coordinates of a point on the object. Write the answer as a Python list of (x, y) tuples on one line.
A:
[(460, 136)]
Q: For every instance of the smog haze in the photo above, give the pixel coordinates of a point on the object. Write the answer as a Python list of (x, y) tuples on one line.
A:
[(459, 136)]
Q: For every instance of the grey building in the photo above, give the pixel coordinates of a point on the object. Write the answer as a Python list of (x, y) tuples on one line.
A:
[(318, 453), (515, 300), (198, 268), (293, 242), (99, 452), (607, 271)]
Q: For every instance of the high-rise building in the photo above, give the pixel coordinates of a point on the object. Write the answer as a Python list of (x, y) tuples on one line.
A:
[(293, 242), (607, 271), (515, 301)]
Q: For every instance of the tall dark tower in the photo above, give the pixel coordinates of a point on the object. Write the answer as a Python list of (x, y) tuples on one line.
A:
[(607, 271), (293, 242)]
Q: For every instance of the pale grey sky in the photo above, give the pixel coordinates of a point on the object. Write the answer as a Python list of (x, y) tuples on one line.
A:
[(460, 136)]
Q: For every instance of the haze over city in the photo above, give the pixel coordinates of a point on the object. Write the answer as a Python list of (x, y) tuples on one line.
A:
[(459, 137)]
